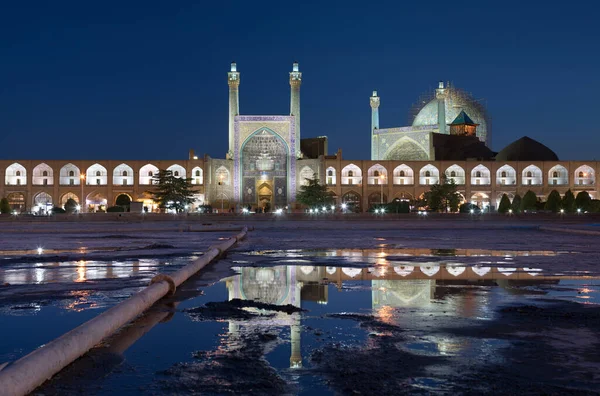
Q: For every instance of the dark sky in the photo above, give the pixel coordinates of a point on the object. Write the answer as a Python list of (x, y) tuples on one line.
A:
[(120, 80)]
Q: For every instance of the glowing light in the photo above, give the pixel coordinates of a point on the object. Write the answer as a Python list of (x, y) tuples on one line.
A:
[(509, 210), (279, 211), (245, 210), (578, 210), (311, 211), (40, 250), (78, 207), (472, 211), (332, 207), (344, 206)]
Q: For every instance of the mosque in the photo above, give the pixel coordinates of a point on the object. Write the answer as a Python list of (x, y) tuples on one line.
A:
[(268, 162)]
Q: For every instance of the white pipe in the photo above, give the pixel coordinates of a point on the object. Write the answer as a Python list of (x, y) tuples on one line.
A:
[(32, 370)]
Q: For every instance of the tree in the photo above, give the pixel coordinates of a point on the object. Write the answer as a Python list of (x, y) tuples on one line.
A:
[(568, 202), (504, 205), (583, 201), (443, 196), (516, 204), (172, 192), (314, 194), (529, 201), (71, 205), (554, 202), (4, 206)]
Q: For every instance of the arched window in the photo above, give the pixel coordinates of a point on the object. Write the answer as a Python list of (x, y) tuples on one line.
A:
[(150, 174), (18, 173), (554, 174), (581, 174), (402, 173), (503, 174), (45, 173), (71, 173), (124, 173), (427, 174), (98, 173), (350, 173), (453, 174), (529, 174), (176, 173), (330, 173), (376, 173), (197, 173), (478, 174)]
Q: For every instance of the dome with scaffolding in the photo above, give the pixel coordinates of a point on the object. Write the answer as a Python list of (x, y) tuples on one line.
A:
[(425, 112)]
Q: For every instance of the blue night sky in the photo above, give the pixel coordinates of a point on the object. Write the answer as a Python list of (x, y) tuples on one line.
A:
[(119, 80)]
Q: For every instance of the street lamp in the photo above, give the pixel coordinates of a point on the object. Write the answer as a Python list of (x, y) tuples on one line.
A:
[(82, 177), (382, 177)]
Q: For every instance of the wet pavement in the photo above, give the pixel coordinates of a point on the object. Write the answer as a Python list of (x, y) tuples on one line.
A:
[(387, 315)]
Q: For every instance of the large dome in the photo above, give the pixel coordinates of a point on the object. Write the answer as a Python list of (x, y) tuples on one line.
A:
[(456, 101), (526, 149)]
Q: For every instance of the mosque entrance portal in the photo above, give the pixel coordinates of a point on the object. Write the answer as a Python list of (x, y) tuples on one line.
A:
[(264, 162)]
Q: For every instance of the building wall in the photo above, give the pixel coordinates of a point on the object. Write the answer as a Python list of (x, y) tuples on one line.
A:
[(490, 185), (108, 189)]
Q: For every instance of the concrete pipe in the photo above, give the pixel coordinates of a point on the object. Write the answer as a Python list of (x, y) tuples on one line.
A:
[(32, 370)]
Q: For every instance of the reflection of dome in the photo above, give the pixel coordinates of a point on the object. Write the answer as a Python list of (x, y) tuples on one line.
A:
[(456, 101), (526, 149)]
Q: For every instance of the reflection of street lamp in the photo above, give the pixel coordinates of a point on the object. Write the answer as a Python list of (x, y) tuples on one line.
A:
[(82, 199), (382, 177)]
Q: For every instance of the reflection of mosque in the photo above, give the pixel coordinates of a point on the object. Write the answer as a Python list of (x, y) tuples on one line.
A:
[(399, 286)]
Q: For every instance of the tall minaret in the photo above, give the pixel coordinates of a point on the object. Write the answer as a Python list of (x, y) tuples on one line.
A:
[(374, 125), (295, 81), (440, 95), (233, 79)]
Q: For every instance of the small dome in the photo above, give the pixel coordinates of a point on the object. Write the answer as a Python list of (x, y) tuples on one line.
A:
[(526, 149)]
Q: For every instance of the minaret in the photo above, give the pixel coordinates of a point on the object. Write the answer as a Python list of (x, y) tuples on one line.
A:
[(295, 81), (233, 79), (374, 125), (440, 95)]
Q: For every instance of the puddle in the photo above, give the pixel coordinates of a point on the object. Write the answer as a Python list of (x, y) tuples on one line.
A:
[(340, 321)]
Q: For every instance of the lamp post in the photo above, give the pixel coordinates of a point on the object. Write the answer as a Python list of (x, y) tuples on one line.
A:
[(382, 177), (82, 204)]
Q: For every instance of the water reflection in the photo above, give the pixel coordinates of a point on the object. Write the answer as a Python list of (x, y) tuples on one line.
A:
[(391, 287)]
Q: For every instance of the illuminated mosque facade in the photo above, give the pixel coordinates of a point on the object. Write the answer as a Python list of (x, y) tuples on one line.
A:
[(268, 162)]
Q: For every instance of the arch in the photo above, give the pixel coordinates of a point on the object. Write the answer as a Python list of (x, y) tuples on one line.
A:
[(42, 202), (16, 200), (351, 174), (480, 175), (506, 175), (42, 175), (95, 202), (306, 173), (352, 200), (403, 174), (403, 196), (96, 175), (429, 174), (222, 176), (375, 199), (147, 172), (123, 175), (531, 176), (499, 195), (197, 175), (16, 175), (558, 176), (585, 175), (125, 198), (482, 200), (178, 170), (65, 197), (331, 176), (407, 149), (377, 174), (456, 173)]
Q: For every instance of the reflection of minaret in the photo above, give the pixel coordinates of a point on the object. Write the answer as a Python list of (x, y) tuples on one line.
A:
[(374, 125), (295, 81), (296, 338), (233, 79)]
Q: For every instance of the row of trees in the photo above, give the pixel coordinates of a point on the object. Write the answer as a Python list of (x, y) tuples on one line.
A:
[(555, 203)]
